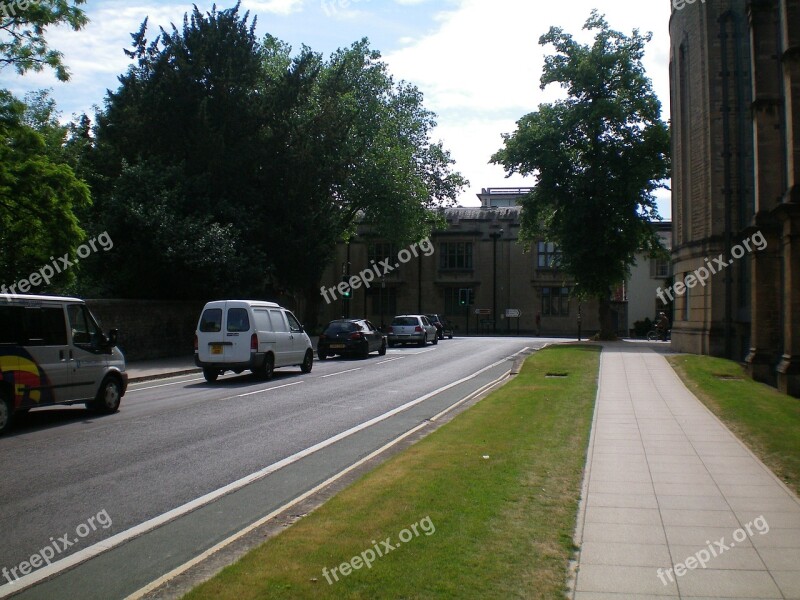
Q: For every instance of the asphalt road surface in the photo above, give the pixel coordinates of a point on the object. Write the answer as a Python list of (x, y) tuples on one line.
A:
[(151, 480)]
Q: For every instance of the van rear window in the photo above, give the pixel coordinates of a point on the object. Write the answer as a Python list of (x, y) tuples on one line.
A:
[(238, 321), (11, 324), (211, 321)]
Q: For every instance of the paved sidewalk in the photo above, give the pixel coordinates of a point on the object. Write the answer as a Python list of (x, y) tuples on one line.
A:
[(668, 485), (140, 370)]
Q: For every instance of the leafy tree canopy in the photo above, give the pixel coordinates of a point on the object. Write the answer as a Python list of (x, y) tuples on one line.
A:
[(598, 156), (22, 28)]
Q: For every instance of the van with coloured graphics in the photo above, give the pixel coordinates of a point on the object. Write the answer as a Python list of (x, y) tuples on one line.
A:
[(52, 352), (239, 335)]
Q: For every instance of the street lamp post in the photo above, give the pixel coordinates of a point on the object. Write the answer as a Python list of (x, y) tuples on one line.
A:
[(495, 236)]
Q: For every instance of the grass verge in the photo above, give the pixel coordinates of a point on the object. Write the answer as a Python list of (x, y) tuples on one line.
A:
[(493, 496), (763, 418)]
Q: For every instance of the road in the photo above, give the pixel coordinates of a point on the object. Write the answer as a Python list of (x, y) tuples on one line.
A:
[(71, 480)]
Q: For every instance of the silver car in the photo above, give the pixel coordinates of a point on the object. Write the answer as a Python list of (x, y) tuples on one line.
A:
[(406, 329)]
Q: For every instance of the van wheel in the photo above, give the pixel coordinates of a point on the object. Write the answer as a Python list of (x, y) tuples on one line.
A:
[(211, 375), (267, 370), (308, 362), (108, 398), (5, 413), (382, 351)]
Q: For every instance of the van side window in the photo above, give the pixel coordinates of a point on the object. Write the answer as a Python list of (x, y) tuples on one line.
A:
[(84, 330), (211, 321), (238, 321), (278, 322), (294, 324), (263, 322), (11, 321), (45, 326)]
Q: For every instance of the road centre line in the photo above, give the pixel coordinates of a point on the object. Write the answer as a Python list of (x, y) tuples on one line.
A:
[(137, 530), (152, 387), (383, 362), (341, 373), (277, 387)]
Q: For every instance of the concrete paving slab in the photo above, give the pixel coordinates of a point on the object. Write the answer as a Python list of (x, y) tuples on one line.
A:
[(667, 483)]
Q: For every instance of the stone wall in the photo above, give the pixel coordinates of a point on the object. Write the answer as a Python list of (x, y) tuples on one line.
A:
[(149, 328)]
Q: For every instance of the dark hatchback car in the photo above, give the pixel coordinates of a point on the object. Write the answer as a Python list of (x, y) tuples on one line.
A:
[(356, 337), (444, 328)]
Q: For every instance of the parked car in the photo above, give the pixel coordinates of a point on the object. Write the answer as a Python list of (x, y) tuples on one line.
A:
[(444, 328), (350, 336), (234, 335), (52, 351), (406, 329)]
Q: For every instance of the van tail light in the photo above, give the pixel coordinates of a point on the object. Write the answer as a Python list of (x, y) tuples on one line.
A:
[(357, 336), (418, 329), (195, 342), (254, 343)]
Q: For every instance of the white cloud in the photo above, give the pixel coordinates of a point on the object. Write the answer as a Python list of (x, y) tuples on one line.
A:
[(278, 7), (480, 70)]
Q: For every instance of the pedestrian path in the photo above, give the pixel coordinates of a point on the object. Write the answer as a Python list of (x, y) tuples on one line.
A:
[(669, 489)]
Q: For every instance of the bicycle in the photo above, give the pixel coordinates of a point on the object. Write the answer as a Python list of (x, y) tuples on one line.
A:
[(654, 335)]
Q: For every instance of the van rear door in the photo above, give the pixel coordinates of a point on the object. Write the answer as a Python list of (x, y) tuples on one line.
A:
[(237, 332)]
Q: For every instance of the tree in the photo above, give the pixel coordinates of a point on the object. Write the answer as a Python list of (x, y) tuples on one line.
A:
[(39, 196), (598, 156), (22, 27)]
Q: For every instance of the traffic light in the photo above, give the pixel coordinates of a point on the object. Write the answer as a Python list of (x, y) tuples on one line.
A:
[(465, 297), (348, 294)]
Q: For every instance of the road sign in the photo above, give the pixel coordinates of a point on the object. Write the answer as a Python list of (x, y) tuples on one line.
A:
[(513, 313), (483, 311)]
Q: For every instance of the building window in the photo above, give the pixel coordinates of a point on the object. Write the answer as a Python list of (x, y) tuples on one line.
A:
[(548, 255), (381, 251), (383, 302), (455, 255), (555, 301), (659, 269)]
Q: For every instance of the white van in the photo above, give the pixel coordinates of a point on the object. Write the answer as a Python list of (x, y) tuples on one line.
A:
[(234, 335), (53, 352)]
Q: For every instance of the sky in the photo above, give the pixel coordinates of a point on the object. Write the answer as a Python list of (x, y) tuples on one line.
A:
[(477, 62)]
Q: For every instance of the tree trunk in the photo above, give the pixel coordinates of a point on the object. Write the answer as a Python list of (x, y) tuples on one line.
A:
[(604, 312)]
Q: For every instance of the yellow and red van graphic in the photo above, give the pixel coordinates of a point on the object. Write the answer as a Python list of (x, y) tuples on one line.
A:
[(29, 384)]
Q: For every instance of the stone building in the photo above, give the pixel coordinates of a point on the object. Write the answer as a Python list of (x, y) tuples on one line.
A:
[(479, 252), (735, 97)]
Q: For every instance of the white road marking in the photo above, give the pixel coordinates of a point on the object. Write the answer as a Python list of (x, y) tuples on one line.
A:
[(277, 387), (152, 387), (341, 373), (383, 362)]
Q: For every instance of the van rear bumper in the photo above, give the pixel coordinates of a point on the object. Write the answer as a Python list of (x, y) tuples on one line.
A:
[(256, 361)]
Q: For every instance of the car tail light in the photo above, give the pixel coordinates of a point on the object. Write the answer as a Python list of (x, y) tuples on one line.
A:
[(389, 329), (357, 336), (322, 336), (195, 342), (418, 329), (254, 343)]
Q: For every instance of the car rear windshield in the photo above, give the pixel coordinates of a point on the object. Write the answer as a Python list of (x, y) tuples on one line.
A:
[(211, 321), (405, 322), (340, 327)]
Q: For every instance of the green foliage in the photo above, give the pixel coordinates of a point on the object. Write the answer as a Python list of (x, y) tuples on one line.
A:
[(22, 27), (275, 156), (598, 155), (39, 192)]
